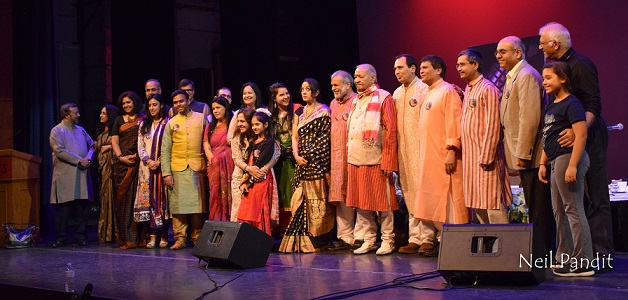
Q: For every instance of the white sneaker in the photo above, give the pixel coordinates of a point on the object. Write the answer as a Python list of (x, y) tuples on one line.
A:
[(385, 249), (365, 248)]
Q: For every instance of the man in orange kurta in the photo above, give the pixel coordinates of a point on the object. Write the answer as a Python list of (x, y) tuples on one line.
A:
[(440, 198), (372, 157)]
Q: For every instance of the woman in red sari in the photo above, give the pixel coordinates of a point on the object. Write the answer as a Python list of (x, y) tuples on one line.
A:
[(125, 168), (220, 163)]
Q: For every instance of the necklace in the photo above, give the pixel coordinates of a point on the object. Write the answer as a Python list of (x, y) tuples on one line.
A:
[(282, 114), (310, 110), (131, 119)]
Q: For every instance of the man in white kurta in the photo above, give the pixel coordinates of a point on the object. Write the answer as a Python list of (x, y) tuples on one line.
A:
[(72, 152), (408, 99)]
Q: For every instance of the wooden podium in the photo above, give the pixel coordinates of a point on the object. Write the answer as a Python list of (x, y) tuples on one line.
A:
[(19, 188)]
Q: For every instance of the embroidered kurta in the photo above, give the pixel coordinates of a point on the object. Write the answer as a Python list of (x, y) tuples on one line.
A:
[(408, 102), (439, 131), (151, 190), (368, 187), (482, 145), (70, 143)]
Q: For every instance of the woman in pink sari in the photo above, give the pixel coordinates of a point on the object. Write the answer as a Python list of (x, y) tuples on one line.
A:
[(220, 163)]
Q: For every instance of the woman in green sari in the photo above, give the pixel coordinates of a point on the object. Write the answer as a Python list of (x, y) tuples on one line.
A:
[(282, 110)]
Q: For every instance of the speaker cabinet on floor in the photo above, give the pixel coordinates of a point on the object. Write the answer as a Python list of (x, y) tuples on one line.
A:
[(498, 254), (233, 245)]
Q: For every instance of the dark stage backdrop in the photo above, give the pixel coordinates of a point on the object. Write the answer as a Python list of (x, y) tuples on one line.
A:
[(287, 41), (444, 28), (142, 46)]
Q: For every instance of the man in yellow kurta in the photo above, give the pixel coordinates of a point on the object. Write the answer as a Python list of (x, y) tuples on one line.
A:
[(439, 198), (183, 168), (408, 99)]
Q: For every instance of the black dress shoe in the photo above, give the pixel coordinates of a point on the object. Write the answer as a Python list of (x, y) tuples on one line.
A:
[(341, 245), (58, 244), (82, 243)]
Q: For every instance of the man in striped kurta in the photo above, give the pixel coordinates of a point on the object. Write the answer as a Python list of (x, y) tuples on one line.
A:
[(440, 198), (372, 157), (484, 178), (408, 100)]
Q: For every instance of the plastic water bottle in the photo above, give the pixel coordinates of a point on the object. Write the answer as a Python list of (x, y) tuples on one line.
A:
[(69, 278), (614, 186)]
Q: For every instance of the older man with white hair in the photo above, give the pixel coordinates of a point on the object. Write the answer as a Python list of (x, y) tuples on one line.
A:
[(555, 41), (372, 157)]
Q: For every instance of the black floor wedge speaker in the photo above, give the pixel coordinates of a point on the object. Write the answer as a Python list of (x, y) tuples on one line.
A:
[(497, 254), (233, 245)]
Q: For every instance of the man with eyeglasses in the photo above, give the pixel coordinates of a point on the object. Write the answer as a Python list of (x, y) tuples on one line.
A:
[(555, 42), (197, 106), (520, 110)]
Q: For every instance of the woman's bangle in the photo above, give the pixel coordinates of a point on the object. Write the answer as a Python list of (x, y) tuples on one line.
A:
[(245, 168)]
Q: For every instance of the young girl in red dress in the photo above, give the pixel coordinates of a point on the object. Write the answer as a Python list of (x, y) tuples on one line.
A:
[(258, 183)]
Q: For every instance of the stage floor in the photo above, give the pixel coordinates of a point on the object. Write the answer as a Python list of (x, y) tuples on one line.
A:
[(165, 274)]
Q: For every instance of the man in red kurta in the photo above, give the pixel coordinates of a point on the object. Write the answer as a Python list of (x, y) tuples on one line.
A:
[(440, 198), (347, 233), (372, 157)]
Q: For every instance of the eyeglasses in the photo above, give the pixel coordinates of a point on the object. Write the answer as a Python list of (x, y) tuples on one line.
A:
[(546, 43), (188, 90), (503, 51)]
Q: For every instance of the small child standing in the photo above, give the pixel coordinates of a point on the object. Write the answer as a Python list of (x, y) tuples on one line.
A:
[(574, 253), (258, 183)]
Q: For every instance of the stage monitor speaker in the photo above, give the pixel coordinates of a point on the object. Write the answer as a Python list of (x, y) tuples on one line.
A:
[(233, 245), (497, 254)]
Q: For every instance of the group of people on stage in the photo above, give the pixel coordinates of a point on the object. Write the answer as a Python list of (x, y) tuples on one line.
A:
[(297, 171)]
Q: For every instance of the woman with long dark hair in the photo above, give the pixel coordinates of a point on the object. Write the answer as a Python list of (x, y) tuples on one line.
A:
[(219, 160), (151, 203), (107, 229), (252, 98), (312, 215), (282, 110), (125, 167)]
